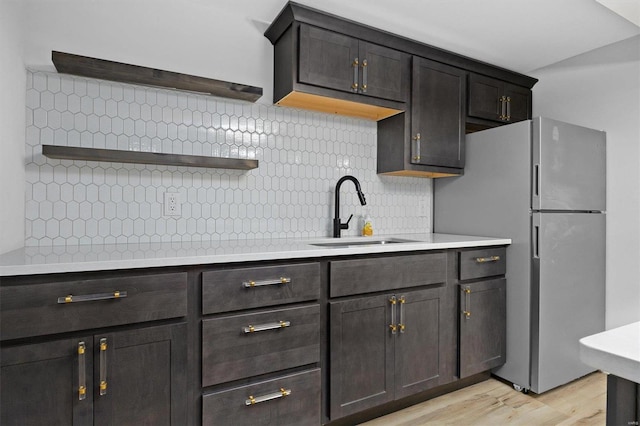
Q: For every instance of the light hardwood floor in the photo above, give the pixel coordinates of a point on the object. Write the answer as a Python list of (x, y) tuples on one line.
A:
[(494, 403)]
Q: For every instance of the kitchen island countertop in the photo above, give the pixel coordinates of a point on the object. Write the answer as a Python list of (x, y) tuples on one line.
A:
[(616, 351), (83, 258)]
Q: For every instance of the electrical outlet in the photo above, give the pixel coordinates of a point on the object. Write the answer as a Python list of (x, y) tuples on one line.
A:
[(422, 208), (172, 204)]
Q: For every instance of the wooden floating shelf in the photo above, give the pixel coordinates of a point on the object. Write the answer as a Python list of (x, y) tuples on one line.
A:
[(85, 66), (118, 156)]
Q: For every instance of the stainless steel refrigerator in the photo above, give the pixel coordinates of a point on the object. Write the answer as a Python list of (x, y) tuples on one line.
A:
[(541, 183)]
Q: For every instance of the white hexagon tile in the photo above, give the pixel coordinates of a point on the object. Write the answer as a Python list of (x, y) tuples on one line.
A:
[(301, 155)]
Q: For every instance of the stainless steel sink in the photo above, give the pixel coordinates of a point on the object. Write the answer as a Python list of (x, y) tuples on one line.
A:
[(361, 243)]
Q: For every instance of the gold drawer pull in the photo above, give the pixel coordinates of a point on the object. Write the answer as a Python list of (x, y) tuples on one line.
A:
[(92, 297), (264, 327), (467, 302), (82, 373), (103, 366), (252, 400), (401, 325), (487, 259), (251, 283)]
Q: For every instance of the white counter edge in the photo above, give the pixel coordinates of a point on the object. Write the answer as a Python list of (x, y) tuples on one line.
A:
[(615, 351), (98, 259)]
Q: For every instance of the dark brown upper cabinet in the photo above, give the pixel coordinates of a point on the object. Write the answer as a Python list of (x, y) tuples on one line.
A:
[(422, 110), (497, 101), (434, 144), (339, 62), (331, 72)]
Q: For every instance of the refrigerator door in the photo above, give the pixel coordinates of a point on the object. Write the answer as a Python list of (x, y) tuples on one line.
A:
[(568, 293), (493, 198), (568, 170)]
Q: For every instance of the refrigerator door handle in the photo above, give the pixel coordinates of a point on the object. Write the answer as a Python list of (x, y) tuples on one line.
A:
[(535, 237), (536, 180)]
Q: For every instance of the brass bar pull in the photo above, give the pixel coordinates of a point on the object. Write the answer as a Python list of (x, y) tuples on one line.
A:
[(252, 400), (364, 76), (264, 327), (281, 280), (503, 108), (355, 64), (401, 325), (508, 108), (487, 259), (467, 302), (416, 150), (82, 371), (393, 325), (92, 297), (103, 366)]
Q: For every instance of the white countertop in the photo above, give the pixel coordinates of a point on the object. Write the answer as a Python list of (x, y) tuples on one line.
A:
[(56, 259), (616, 351)]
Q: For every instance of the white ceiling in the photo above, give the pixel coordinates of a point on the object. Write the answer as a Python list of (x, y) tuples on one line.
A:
[(521, 35)]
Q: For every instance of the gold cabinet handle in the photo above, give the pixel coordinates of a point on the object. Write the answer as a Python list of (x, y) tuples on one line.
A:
[(364, 76), (401, 325), (264, 327), (252, 400), (251, 283), (103, 366), (393, 327), (70, 298), (416, 147), (503, 108), (82, 371), (467, 302), (508, 108), (355, 64), (487, 259)]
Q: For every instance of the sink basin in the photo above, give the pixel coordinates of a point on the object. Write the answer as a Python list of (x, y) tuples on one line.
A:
[(362, 243)]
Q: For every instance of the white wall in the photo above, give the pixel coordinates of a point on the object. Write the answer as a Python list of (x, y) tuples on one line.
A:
[(215, 39), (601, 89), (222, 40), (12, 126)]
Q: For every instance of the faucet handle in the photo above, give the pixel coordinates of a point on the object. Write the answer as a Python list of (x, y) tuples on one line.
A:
[(346, 224)]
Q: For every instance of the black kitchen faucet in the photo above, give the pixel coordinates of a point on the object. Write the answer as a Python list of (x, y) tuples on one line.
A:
[(337, 224)]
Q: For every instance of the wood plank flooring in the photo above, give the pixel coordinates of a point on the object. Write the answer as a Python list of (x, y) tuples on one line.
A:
[(492, 403)]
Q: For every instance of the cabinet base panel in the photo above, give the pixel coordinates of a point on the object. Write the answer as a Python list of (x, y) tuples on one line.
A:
[(393, 406)]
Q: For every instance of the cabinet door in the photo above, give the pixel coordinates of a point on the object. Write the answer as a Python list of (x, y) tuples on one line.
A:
[(420, 351), (484, 97), (384, 72), (40, 384), (483, 328), (438, 114), (361, 348), (498, 100), (518, 102), (145, 374), (327, 59)]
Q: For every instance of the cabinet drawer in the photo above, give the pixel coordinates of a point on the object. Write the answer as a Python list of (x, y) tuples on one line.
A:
[(301, 405), (280, 339), (483, 263), (38, 309), (235, 289), (386, 273)]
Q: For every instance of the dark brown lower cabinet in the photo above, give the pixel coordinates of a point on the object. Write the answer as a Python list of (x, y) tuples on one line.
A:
[(483, 330), (292, 400), (386, 347), (123, 378)]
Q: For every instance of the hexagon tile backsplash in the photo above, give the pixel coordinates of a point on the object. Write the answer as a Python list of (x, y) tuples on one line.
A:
[(301, 154)]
